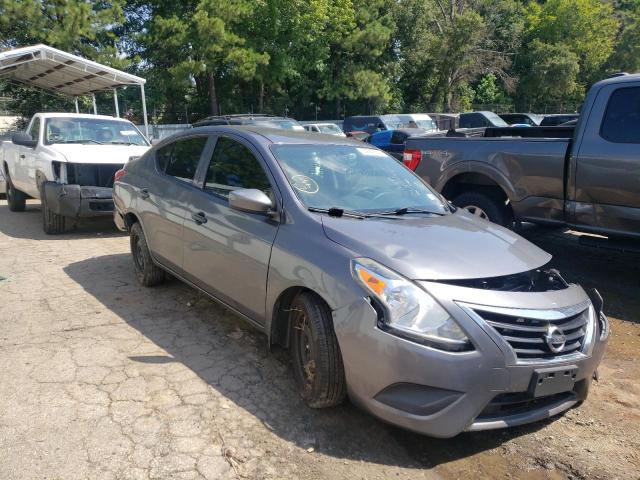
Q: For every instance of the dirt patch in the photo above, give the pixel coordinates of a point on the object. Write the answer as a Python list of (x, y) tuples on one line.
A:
[(104, 379)]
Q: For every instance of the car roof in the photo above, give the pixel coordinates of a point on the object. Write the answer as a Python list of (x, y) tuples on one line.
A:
[(79, 115), (277, 136), (550, 115)]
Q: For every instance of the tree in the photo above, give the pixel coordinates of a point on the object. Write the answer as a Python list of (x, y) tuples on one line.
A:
[(626, 56), (568, 43), (451, 43)]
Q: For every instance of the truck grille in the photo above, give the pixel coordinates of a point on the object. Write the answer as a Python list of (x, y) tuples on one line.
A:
[(533, 338)]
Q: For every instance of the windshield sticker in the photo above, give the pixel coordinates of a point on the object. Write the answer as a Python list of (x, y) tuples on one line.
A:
[(304, 184), (128, 132)]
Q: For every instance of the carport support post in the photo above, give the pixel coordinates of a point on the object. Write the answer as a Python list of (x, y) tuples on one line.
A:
[(115, 101), (95, 106), (144, 111), (75, 100)]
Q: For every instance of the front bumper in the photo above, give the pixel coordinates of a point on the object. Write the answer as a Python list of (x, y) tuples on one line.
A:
[(442, 393), (78, 201)]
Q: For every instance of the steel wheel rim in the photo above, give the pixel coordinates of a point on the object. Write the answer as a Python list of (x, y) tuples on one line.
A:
[(138, 256), (477, 211), (305, 351)]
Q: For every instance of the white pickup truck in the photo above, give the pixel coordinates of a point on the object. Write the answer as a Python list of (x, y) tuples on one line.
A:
[(68, 161)]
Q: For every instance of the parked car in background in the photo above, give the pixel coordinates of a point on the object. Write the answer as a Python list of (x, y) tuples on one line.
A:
[(531, 119), (418, 120), (370, 278), (357, 135), (480, 119), (392, 141), (261, 120), (371, 123), (558, 119), (328, 128), (68, 161), (589, 179)]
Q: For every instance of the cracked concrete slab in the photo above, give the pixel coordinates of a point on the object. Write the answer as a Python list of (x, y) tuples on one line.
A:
[(101, 378)]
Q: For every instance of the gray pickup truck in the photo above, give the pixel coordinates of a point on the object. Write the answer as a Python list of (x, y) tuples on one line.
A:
[(588, 179)]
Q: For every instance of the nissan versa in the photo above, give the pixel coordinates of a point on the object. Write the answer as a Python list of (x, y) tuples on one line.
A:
[(424, 315)]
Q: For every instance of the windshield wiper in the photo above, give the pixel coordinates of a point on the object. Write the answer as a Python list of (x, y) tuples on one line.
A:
[(341, 212), (338, 212), (86, 140), (406, 210), (122, 143)]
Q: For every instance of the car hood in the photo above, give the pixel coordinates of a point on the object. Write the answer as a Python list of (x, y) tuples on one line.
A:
[(94, 153), (456, 246)]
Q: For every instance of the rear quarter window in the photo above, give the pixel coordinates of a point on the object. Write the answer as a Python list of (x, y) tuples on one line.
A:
[(621, 122)]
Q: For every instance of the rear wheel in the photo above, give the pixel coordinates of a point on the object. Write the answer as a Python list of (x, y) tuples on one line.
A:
[(485, 205), (15, 198), (147, 272), (52, 223), (317, 362)]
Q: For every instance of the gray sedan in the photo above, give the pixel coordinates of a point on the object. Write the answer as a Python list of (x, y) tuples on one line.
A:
[(427, 317)]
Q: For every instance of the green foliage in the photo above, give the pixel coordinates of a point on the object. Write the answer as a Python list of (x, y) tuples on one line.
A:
[(335, 57)]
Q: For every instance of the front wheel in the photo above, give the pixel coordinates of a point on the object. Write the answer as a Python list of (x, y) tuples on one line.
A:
[(485, 206), (147, 272), (15, 198), (317, 362), (52, 223)]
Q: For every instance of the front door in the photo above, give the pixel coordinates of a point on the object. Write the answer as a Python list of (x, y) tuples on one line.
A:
[(162, 198), (226, 252), (607, 171)]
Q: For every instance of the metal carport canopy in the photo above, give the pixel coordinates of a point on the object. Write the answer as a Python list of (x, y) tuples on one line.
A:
[(54, 70)]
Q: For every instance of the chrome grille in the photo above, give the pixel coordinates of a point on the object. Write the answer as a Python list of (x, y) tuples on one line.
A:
[(529, 337)]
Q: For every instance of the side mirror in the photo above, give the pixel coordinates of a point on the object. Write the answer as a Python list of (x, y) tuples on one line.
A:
[(250, 200), (24, 139)]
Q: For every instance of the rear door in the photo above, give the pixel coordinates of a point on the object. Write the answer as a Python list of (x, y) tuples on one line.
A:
[(226, 252), (607, 168), (162, 197)]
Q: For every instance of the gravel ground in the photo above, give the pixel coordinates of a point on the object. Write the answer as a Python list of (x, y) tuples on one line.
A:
[(101, 378)]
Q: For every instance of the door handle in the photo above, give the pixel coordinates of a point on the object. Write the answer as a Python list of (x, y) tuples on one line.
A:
[(199, 218), (22, 156), (144, 193)]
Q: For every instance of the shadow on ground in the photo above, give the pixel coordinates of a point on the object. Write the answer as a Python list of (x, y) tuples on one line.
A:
[(173, 316), (615, 274), (28, 224)]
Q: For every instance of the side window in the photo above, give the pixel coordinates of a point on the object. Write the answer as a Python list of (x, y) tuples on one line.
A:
[(398, 138), (35, 129), (621, 123), (233, 166), (180, 158)]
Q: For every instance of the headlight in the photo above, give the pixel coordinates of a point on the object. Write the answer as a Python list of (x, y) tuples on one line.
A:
[(410, 312)]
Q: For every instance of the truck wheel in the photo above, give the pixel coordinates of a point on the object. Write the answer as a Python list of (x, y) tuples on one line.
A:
[(147, 272), (52, 223), (485, 206), (15, 198), (317, 362)]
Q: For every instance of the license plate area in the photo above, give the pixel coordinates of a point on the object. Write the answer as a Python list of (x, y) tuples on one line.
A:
[(549, 381)]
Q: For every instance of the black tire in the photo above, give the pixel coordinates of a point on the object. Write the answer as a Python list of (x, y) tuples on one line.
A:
[(15, 198), (147, 272), (317, 362), (492, 206), (52, 223)]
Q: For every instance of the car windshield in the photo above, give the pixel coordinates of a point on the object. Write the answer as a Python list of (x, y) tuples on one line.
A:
[(354, 178), (496, 120), (427, 124), (92, 130), (392, 122), (329, 128), (282, 124)]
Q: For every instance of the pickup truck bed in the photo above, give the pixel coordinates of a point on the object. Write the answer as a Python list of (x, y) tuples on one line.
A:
[(586, 177)]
